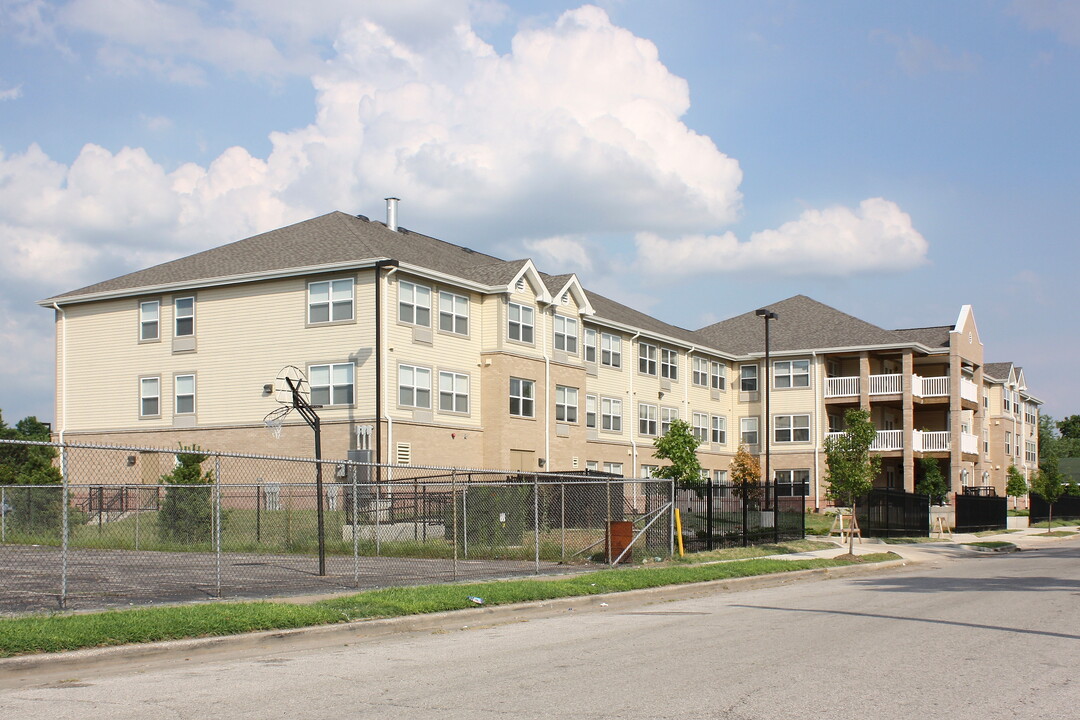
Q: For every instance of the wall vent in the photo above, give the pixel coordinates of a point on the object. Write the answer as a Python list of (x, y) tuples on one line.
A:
[(404, 454)]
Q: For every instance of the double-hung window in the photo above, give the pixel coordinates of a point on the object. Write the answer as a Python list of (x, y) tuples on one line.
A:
[(590, 411), (330, 301), (792, 483), (719, 429), (566, 334), (611, 414), (453, 313), (646, 419), (1008, 443), (566, 404), (184, 317), (520, 324), (646, 359), (791, 373), (1005, 400), (185, 395), (150, 397), (453, 392), (748, 378), (669, 364), (414, 386), (748, 430), (590, 345), (792, 428), (667, 416), (414, 304), (718, 376), (610, 350), (522, 397), (332, 384), (700, 374), (701, 427), (149, 320)]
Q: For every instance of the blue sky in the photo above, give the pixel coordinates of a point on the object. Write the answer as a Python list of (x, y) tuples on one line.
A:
[(693, 158)]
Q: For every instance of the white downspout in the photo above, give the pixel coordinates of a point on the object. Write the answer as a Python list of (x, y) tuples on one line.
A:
[(63, 372), (386, 413), (548, 395), (818, 403), (633, 425)]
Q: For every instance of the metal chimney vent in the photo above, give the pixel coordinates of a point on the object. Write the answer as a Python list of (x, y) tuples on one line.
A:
[(391, 213)]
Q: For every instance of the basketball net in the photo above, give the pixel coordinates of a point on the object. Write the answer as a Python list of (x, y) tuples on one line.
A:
[(275, 419)]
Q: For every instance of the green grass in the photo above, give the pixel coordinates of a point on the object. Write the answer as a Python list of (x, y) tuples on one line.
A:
[(818, 523), (1067, 522), (53, 633), (911, 540), (1056, 533), (1018, 513), (984, 533), (755, 551), (991, 544)]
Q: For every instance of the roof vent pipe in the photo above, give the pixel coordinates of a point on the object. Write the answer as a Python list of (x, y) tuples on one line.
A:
[(391, 213)]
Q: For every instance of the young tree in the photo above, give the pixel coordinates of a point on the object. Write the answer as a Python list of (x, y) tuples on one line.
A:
[(39, 507), (679, 446), (1015, 484), (745, 476), (186, 514), (852, 468), (1047, 483), (932, 482)]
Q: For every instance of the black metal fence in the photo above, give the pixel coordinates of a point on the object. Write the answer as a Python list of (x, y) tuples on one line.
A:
[(893, 513), (122, 530), (982, 511), (1067, 507), (714, 516)]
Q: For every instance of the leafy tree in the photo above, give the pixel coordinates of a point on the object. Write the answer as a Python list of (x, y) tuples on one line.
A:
[(186, 514), (37, 508), (679, 446), (1070, 427), (1048, 484), (1015, 484), (933, 481), (745, 476), (852, 468)]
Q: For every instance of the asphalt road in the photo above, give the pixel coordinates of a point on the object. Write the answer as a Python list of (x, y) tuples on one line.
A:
[(987, 636)]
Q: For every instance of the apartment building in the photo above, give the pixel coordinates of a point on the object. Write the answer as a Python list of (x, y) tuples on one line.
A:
[(448, 356)]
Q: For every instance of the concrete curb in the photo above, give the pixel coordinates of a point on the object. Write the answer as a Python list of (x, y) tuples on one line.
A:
[(36, 670)]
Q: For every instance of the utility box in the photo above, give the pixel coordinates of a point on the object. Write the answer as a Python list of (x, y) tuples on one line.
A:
[(620, 534), (361, 477)]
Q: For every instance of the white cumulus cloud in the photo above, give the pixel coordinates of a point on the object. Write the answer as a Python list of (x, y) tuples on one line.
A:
[(877, 237)]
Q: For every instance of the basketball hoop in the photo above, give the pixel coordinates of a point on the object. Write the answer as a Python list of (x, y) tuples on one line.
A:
[(274, 419), (289, 383)]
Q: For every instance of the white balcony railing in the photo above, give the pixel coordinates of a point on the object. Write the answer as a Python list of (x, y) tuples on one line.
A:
[(885, 440), (841, 387), (930, 441), (969, 391), (886, 384), (925, 387), (969, 443)]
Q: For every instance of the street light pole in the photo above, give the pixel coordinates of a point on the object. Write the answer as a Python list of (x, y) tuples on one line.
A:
[(769, 315)]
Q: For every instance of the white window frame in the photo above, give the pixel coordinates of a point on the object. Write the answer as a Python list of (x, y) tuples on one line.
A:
[(718, 429), (414, 304), (183, 397), (791, 428), (453, 312), (647, 419), (668, 415), (1008, 443), (717, 375), (700, 426), (150, 391), (591, 411), (610, 350), (750, 426), (791, 374), (523, 396), (334, 389), (699, 374), (787, 481), (611, 414), (414, 386), (746, 378), (333, 296), (186, 318), (566, 334), (454, 387), (615, 468), (646, 358), (669, 364), (589, 343), (523, 326), (146, 321), (566, 404)]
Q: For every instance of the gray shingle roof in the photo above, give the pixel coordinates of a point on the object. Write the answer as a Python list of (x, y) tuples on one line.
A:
[(997, 371), (608, 309), (932, 337), (804, 324)]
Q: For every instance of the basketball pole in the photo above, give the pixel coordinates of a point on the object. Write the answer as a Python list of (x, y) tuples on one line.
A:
[(307, 411)]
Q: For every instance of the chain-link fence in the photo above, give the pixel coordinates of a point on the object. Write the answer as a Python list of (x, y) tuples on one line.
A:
[(143, 525)]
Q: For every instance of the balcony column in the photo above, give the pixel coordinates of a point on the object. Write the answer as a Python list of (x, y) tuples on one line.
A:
[(864, 380), (956, 416), (908, 421), (978, 422)]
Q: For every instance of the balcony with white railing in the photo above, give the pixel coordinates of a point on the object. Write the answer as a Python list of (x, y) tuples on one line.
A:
[(886, 440), (892, 384), (969, 443), (842, 387), (969, 391), (930, 441), (928, 387)]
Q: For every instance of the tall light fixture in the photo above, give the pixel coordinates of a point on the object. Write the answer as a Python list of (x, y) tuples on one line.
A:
[(769, 315)]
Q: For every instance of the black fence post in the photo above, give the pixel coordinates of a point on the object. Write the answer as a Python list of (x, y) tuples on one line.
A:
[(709, 514)]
